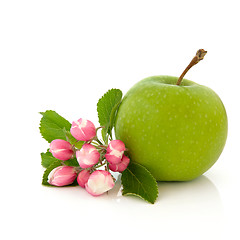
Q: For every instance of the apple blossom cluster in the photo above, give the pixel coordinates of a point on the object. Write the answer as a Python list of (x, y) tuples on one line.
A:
[(92, 156)]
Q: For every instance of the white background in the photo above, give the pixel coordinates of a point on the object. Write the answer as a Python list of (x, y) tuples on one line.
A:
[(64, 55)]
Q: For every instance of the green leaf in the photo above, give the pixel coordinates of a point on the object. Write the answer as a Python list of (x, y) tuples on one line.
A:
[(138, 181), (72, 140), (107, 107), (55, 164), (72, 162), (78, 144), (47, 159), (52, 126)]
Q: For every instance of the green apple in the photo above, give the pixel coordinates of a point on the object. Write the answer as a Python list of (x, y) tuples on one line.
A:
[(176, 131)]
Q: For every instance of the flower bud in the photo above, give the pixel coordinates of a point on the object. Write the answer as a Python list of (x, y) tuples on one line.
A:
[(120, 167), (62, 176), (83, 177), (87, 156), (83, 130), (61, 149), (99, 182), (115, 151)]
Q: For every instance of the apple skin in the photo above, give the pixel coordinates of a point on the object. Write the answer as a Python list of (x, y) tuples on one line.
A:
[(176, 132)]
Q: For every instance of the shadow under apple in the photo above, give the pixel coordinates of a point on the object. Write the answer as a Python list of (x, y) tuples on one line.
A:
[(196, 199)]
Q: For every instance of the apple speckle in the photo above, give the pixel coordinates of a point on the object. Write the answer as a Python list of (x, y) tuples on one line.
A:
[(183, 119)]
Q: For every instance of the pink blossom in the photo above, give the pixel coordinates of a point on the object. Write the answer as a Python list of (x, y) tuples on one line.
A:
[(83, 177), (62, 176), (99, 182), (61, 149), (87, 156), (115, 151), (120, 167), (83, 130)]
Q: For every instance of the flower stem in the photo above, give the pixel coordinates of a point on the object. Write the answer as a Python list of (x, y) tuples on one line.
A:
[(97, 140)]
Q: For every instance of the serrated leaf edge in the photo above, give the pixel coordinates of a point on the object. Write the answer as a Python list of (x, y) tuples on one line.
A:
[(43, 153), (41, 129), (110, 124), (135, 194), (104, 95), (55, 163)]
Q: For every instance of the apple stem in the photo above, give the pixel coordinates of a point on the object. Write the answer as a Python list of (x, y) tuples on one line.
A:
[(198, 57)]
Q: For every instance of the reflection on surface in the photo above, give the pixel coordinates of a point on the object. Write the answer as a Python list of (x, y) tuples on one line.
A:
[(194, 207), (200, 188), (174, 197), (187, 193), (188, 198)]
